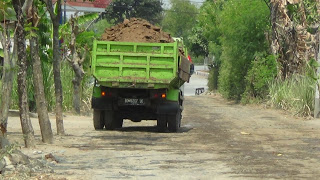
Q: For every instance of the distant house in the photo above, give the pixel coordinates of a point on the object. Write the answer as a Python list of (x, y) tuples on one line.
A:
[(73, 6), (84, 6)]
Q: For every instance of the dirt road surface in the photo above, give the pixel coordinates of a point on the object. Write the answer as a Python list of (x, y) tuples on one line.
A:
[(218, 140)]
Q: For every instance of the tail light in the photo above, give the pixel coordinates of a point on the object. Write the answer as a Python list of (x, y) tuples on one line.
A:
[(158, 95), (106, 94), (189, 58)]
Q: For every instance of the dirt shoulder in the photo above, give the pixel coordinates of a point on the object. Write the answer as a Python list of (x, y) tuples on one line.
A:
[(218, 140)]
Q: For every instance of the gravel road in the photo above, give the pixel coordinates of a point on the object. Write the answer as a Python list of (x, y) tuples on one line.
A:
[(218, 140)]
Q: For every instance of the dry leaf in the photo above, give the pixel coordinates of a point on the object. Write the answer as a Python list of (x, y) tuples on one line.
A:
[(244, 133)]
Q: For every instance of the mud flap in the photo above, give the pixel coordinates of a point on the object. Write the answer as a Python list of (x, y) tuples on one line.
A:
[(169, 108), (101, 103)]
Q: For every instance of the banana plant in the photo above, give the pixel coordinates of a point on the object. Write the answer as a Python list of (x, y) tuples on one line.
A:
[(83, 22)]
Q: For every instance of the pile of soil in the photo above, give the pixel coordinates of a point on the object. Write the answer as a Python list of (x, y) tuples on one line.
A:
[(136, 30)]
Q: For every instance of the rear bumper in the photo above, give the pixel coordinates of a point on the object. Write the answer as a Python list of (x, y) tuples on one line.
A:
[(137, 104), (161, 107)]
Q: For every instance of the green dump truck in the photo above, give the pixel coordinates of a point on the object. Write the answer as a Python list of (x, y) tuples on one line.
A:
[(138, 81)]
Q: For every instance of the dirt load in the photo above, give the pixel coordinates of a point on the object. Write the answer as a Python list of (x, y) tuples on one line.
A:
[(136, 30)]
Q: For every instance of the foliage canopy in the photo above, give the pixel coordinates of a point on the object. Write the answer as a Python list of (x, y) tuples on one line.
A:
[(150, 10), (180, 19)]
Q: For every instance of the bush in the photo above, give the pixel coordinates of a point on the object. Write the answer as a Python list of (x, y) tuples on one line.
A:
[(213, 78), (263, 71), (295, 94), (243, 28)]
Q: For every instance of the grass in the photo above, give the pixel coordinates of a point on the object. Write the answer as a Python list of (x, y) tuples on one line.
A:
[(67, 75), (295, 94)]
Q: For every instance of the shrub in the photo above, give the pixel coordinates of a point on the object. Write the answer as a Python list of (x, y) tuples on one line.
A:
[(263, 71), (243, 28), (295, 94)]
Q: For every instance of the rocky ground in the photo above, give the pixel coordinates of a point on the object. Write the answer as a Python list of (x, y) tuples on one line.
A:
[(218, 140)]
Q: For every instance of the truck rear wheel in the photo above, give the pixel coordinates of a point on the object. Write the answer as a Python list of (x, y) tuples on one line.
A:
[(118, 122), (162, 123), (174, 122), (109, 120), (98, 122)]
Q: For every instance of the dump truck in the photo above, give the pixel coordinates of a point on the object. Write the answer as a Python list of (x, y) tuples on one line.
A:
[(138, 81)]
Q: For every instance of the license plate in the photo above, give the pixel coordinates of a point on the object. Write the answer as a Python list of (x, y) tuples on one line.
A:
[(130, 101)]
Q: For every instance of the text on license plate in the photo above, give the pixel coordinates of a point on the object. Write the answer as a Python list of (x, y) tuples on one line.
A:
[(130, 101)]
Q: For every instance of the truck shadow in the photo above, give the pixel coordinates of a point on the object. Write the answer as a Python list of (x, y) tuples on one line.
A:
[(151, 129)]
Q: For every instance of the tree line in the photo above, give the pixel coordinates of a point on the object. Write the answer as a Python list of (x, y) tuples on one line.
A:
[(37, 75), (261, 50)]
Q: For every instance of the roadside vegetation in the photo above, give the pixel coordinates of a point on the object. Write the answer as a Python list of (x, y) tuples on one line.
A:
[(295, 94), (263, 51), (51, 73)]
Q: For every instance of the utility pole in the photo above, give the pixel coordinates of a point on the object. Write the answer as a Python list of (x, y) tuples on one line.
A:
[(65, 14), (317, 95)]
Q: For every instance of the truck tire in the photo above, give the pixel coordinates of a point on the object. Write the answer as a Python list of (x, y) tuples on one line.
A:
[(109, 120), (162, 123), (98, 122), (174, 122), (118, 122)]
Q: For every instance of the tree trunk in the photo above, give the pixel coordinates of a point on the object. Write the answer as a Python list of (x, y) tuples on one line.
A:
[(55, 18), (27, 128), (7, 82), (57, 78), (291, 41), (44, 121)]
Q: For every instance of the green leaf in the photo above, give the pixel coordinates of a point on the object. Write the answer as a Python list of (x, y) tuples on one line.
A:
[(87, 18), (56, 8), (7, 13), (11, 14)]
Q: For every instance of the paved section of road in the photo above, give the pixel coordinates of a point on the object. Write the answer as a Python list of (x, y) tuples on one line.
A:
[(196, 81), (200, 68)]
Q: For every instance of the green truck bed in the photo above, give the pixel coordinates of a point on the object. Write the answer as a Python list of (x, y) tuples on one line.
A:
[(138, 65)]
